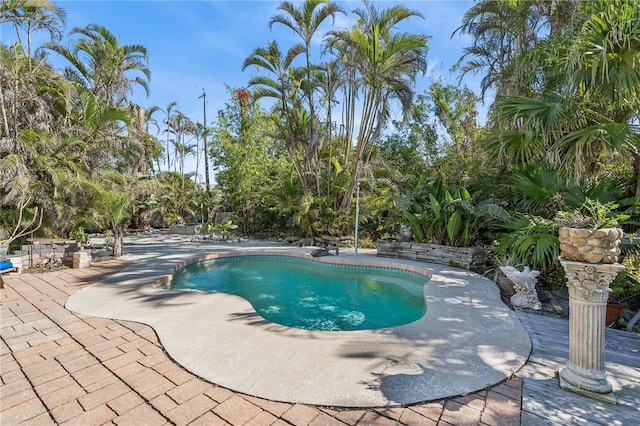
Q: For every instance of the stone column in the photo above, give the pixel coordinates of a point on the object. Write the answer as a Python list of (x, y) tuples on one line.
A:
[(81, 259), (588, 293)]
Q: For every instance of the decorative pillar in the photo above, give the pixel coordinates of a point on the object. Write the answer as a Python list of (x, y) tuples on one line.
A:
[(81, 259), (588, 293)]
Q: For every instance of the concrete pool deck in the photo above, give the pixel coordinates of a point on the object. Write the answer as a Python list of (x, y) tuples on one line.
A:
[(454, 349)]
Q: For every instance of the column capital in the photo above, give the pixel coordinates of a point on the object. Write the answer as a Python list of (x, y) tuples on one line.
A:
[(589, 282)]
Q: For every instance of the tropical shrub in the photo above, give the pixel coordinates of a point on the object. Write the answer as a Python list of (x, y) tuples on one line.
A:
[(452, 218), (79, 235), (531, 240)]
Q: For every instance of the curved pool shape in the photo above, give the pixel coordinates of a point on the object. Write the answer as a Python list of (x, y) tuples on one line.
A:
[(455, 348), (310, 295)]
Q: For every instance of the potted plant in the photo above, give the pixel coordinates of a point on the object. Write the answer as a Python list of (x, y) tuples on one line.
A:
[(590, 233), (80, 236)]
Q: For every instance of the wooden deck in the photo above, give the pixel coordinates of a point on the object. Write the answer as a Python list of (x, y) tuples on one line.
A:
[(544, 403)]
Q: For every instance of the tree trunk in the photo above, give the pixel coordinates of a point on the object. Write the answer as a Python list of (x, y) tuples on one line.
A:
[(142, 219), (366, 135), (117, 241), (634, 187), (3, 110)]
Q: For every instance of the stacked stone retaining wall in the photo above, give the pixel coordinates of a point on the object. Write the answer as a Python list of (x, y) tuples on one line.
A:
[(43, 249), (471, 258)]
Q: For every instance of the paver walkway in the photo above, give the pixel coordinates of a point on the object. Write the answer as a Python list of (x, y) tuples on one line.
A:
[(58, 367)]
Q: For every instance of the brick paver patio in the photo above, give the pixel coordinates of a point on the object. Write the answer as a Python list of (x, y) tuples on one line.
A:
[(58, 367)]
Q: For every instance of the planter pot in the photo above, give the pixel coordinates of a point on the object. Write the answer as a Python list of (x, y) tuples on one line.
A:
[(590, 245), (614, 310)]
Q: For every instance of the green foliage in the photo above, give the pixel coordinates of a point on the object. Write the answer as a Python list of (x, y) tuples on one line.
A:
[(112, 200), (79, 235), (627, 282), (222, 229), (225, 229), (455, 111), (176, 200), (207, 228), (451, 218), (581, 115), (592, 214), (250, 168), (565, 130), (544, 190), (412, 146), (531, 241)]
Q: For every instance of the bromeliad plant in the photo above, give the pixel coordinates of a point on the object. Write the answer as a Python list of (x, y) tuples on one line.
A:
[(592, 214), (452, 218)]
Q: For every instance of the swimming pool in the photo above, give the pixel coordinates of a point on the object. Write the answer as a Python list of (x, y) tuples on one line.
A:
[(453, 349), (311, 295)]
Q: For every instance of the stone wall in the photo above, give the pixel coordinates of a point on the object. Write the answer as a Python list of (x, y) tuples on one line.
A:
[(471, 258), (45, 249), (183, 229)]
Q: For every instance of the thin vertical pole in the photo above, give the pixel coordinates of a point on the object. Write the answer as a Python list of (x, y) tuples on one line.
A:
[(206, 156), (168, 150), (357, 217)]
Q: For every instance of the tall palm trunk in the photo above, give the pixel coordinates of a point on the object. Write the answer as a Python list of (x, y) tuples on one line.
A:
[(3, 110), (634, 187), (117, 240), (365, 139)]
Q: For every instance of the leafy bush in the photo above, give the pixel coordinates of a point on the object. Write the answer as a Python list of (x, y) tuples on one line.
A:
[(79, 235), (532, 241), (452, 218), (627, 281)]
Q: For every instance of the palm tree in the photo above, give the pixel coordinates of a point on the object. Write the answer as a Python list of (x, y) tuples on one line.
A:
[(103, 130), (592, 113), (32, 95), (112, 199), (329, 77), (305, 22), (560, 13), (386, 63), (104, 66), (42, 174), (150, 120), (502, 31), (272, 60), (169, 114), (181, 127), (285, 87), (198, 131), (32, 16)]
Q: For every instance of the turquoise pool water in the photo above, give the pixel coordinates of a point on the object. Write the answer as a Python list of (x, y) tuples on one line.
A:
[(311, 295)]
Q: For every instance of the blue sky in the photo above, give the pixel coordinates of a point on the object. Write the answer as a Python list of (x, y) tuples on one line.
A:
[(196, 45)]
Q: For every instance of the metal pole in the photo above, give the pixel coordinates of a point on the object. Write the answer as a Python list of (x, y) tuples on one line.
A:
[(357, 217), (206, 156), (168, 150)]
